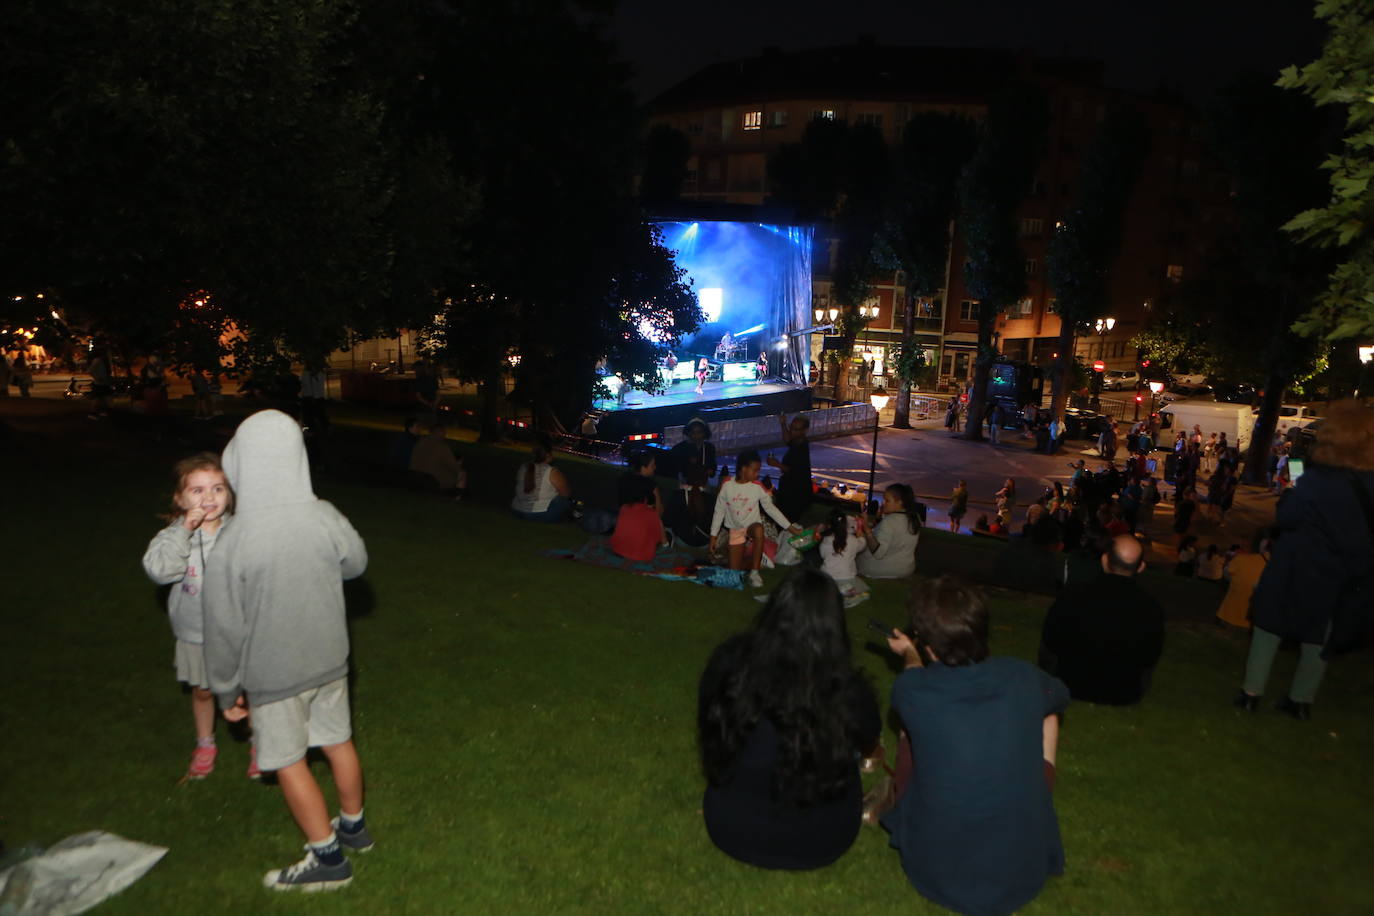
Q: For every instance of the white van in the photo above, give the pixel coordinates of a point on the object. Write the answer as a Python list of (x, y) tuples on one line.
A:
[(1235, 420)]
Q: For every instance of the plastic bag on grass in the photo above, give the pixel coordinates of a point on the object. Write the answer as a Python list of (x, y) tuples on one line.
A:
[(75, 874)]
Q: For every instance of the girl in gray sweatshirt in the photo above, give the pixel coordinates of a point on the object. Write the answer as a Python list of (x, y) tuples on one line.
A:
[(177, 556)]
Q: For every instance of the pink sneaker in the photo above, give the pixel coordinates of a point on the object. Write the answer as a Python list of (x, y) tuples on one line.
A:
[(202, 762), (253, 771)]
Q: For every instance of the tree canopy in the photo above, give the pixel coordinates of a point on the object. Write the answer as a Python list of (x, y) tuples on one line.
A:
[(1343, 76)]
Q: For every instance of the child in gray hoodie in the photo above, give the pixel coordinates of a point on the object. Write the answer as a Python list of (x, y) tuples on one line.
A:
[(276, 642)]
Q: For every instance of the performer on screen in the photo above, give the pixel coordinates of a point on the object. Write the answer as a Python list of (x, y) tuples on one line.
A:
[(703, 368), (761, 366)]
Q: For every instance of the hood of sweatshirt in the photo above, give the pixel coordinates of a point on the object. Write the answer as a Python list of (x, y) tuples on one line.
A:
[(266, 463)]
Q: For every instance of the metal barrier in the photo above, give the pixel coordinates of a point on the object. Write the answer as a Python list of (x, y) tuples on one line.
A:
[(763, 432)]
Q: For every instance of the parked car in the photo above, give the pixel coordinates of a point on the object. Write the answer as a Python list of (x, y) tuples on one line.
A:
[(1119, 379), (1187, 381), (1294, 416)]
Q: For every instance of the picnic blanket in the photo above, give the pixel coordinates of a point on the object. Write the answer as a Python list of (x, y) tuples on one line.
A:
[(673, 565)]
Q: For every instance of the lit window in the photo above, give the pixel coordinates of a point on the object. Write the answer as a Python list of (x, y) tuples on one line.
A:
[(1174, 272), (753, 120), (1023, 307), (822, 114)]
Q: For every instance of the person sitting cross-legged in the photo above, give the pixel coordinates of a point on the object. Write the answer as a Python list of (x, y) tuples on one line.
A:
[(974, 819), (432, 461), (783, 715), (892, 542), (1103, 637)]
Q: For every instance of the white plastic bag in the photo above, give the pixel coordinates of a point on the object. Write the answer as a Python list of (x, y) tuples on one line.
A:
[(75, 874)]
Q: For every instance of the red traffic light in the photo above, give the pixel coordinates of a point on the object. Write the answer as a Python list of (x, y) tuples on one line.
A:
[(1099, 366), (1144, 364), (1140, 398)]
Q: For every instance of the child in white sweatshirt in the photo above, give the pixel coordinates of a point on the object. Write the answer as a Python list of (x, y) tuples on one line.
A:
[(739, 508)]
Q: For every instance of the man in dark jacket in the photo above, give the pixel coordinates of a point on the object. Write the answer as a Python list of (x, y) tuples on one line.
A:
[(1103, 637)]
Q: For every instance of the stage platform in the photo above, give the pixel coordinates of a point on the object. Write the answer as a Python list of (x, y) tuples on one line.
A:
[(645, 413)]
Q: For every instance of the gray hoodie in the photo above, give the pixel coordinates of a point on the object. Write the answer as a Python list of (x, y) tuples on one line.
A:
[(274, 606), (178, 557)]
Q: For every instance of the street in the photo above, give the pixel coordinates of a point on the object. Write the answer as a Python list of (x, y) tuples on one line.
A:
[(931, 460)]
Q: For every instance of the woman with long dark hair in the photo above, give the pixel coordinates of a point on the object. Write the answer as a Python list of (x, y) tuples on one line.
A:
[(783, 717)]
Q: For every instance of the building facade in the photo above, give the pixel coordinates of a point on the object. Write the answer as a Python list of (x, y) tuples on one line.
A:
[(737, 114)]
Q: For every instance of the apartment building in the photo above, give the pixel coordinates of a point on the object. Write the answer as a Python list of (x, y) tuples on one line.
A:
[(737, 114)]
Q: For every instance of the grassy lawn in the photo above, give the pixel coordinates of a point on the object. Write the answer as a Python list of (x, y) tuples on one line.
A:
[(527, 727)]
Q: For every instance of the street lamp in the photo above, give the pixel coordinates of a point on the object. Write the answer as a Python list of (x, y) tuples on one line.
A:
[(1103, 325), (834, 313), (879, 400), (820, 315)]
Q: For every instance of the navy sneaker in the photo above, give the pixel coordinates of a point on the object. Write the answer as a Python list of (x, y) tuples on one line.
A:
[(357, 839), (310, 874)]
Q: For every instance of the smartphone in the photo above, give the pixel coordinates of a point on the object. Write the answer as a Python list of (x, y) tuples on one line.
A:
[(1295, 469), (879, 626)]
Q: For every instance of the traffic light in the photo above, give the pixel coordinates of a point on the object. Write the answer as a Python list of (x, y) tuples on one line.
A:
[(1139, 398)]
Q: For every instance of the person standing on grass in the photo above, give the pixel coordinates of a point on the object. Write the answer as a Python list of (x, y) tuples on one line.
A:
[(177, 556), (1318, 587), (276, 642), (783, 715), (22, 375), (794, 483), (101, 383), (739, 509), (974, 817), (958, 506)]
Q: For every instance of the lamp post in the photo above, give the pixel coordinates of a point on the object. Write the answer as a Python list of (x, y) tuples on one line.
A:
[(879, 400)]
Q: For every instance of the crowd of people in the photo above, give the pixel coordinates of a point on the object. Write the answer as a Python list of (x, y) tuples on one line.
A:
[(787, 724)]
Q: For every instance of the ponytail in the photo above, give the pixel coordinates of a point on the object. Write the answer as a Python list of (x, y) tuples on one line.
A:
[(839, 531), (539, 454)]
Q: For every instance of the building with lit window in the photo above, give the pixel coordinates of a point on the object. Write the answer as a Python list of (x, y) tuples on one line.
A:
[(736, 114)]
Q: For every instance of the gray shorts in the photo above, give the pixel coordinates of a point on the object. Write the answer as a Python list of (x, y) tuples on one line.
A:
[(283, 731), (190, 664)]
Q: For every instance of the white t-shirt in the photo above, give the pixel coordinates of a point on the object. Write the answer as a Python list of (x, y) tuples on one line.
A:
[(538, 499), (740, 505), (842, 565)]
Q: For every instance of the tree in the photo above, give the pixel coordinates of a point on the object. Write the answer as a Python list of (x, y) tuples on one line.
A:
[(916, 233), (1260, 280), (1343, 75), (1088, 238), (534, 288), (991, 188), (839, 175), (666, 152), (1174, 343), (205, 149)]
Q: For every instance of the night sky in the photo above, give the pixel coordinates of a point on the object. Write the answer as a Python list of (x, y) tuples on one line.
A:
[(1192, 45)]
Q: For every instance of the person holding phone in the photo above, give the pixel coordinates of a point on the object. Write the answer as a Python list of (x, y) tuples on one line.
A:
[(974, 819)]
